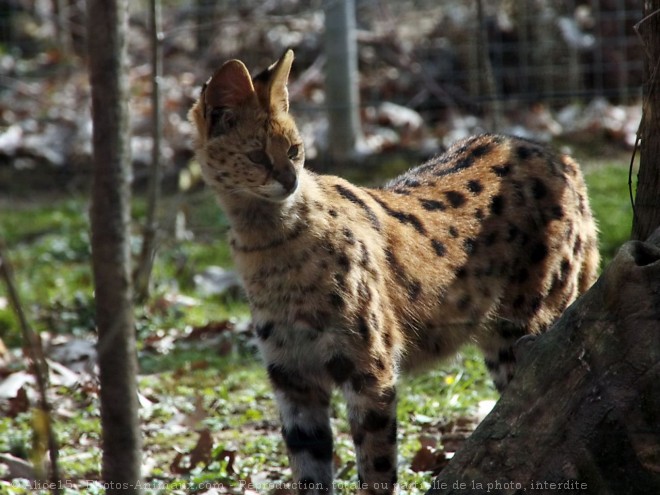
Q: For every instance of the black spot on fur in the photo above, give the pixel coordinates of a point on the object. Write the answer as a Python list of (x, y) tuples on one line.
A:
[(460, 164), (461, 272), (480, 150), (363, 327), (348, 234), (577, 247), (410, 182), (413, 286), (333, 213), (519, 302), (469, 246), (286, 380), (401, 216), (479, 214), (358, 438), (455, 198), (522, 275), (353, 198), (340, 368), (318, 442), (509, 331), (501, 170), (539, 189), (375, 421), (490, 238), (264, 331), (336, 300), (364, 255), (512, 233), (506, 355), (557, 212), (387, 339), (453, 231), (491, 365), (432, 205), (344, 262), (465, 162), (463, 303), (475, 187), (364, 293), (382, 464), (439, 247), (538, 252), (363, 382), (497, 204), (565, 267), (524, 152), (391, 434), (414, 290)]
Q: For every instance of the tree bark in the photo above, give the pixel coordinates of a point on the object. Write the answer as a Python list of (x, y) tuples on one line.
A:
[(584, 406), (110, 216), (647, 201)]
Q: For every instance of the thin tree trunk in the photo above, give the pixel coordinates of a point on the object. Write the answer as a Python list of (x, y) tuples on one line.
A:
[(205, 11), (110, 217), (149, 235), (494, 104), (647, 200)]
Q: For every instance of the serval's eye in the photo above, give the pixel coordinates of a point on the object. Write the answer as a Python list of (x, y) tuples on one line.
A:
[(293, 151), (259, 157)]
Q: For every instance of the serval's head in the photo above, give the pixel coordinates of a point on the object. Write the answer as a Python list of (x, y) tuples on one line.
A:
[(247, 143)]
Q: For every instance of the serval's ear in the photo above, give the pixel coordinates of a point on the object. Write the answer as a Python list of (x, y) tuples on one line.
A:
[(230, 87), (271, 84)]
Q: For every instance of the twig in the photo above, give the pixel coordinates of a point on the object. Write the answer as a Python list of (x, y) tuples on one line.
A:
[(146, 261), (645, 104), (39, 367)]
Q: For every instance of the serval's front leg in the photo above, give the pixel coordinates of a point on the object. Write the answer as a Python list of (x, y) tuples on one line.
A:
[(304, 405), (371, 399)]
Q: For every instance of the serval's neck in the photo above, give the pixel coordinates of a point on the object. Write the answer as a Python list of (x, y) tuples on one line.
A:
[(257, 223)]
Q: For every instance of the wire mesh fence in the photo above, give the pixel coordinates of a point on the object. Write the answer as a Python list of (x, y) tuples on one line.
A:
[(437, 58)]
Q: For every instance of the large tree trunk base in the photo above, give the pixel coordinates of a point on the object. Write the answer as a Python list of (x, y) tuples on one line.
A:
[(583, 411)]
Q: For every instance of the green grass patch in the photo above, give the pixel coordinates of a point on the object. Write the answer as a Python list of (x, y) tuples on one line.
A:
[(610, 202), (219, 387)]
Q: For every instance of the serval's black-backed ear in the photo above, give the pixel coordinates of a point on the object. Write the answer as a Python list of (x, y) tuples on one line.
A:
[(271, 84), (228, 88)]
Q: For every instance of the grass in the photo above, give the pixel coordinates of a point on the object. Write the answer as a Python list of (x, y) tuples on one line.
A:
[(217, 386), (608, 192)]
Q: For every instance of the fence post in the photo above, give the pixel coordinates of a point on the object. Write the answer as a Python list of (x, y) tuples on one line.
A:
[(342, 79)]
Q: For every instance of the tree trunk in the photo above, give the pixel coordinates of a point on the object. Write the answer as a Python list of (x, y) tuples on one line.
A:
[(583, 409), (110, 216), (342, 79), (647, 200)]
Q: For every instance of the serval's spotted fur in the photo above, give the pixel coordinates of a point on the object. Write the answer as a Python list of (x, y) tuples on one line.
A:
[(349, 286)]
